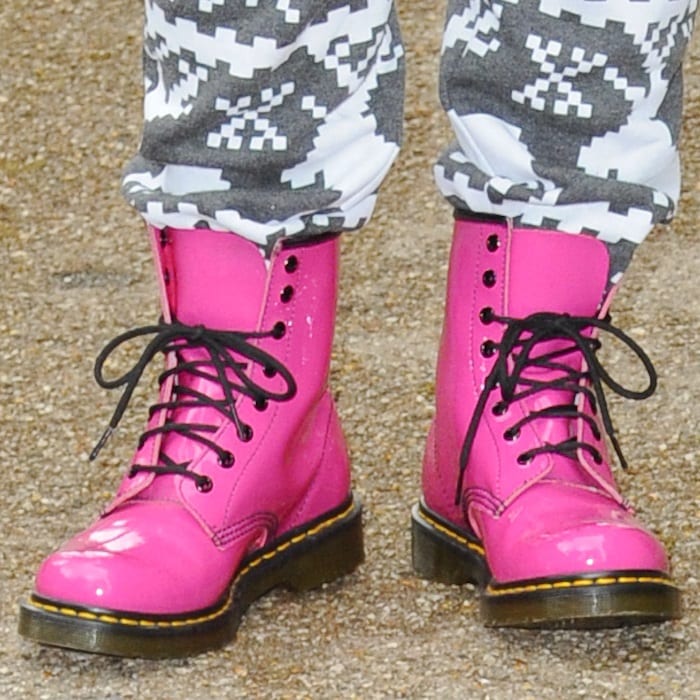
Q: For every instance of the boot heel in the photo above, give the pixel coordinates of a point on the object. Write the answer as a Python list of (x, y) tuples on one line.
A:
[(329, 554), (444, 555)]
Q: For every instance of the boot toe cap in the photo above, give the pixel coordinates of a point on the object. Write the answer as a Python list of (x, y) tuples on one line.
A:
[(129, 563), (568, 537)]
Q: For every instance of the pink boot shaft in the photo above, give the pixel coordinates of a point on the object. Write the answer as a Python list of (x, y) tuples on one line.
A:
[(535, 499), (243, 465)]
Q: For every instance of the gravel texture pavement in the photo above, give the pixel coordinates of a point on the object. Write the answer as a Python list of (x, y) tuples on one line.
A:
[(76, 271)]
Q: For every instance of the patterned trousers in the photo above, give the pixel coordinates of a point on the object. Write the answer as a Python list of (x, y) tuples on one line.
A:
[(272, 118)]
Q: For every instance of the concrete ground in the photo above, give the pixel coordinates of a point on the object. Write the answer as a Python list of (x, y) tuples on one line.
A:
[(76, 271)]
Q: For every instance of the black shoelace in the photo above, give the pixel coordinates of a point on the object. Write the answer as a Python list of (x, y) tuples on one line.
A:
[(230, 353), (520, 338)]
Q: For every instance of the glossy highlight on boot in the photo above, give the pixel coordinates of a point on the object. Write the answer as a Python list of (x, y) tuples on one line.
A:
[(304, 559), (594, 600), (518, 491), (240, 481)]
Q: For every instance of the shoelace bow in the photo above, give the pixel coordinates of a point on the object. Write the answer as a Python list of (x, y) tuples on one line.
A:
[(230, 354), (520, 338)]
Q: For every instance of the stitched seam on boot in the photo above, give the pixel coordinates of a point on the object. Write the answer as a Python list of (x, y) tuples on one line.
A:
[(554, 585), (254, 522), (453, 535), (307, 496), (578, 583), (144, 622)]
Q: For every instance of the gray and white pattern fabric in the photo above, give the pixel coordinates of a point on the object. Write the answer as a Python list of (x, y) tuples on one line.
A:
[(282, 117), (566, 113), (267, 117)]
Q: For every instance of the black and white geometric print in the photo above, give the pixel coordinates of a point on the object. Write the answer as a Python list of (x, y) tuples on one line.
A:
[(267, 117), (281, 117), (566, 113)]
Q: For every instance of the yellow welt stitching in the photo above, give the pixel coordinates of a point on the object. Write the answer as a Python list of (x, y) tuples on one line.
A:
[(128, 621), (110, 619), (602, 581), (87, 615), (450, 533)]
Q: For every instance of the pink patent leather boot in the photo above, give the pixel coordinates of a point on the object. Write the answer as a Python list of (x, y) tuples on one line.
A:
[(241, 479), (518, 496)]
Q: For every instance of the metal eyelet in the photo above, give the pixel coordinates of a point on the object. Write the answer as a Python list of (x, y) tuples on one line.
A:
[(487, 349), (246, 434), (511, 435), (278, 330), (205, 484), (493, 243), (486, 315), (226, 460), (261, 404), (499, 408), (286, 294), (291, 263), (269, 371), (524, 458), (489, 278)]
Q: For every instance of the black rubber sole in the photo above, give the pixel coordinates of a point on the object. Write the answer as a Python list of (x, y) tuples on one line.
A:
[(592, 600), (326, 549)]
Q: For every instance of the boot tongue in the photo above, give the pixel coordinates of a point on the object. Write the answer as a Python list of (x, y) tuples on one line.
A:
[(219, 279), (219, 282), (557, 272), (563, 274)]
